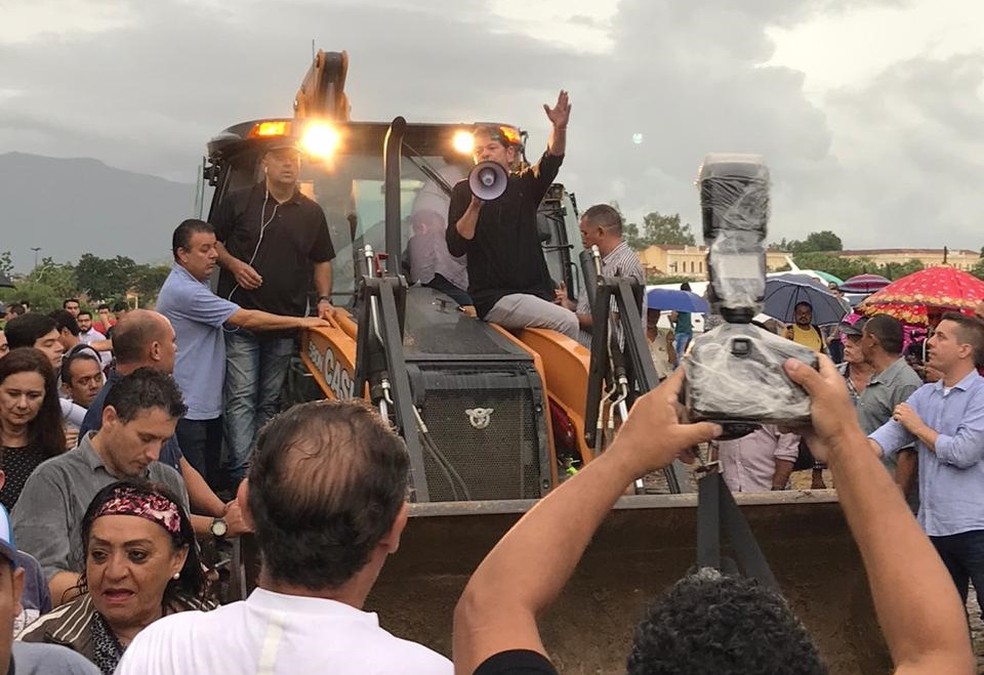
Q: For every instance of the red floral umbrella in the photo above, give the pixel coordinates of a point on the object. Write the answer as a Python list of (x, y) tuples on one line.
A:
[(907, 298)]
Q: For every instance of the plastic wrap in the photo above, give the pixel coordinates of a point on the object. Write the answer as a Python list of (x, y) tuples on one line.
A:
[(735, 374), (734, 196)]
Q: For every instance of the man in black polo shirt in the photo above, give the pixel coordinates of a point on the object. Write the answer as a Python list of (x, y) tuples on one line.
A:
[(273, 242), (508, 276)]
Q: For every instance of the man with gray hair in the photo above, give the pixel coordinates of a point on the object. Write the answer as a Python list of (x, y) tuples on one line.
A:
[(892, 382), (601, 226)]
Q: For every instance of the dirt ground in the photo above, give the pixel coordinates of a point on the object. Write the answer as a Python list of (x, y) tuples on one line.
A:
[(976, 629)]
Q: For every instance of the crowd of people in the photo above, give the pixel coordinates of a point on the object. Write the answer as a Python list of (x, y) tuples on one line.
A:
[(128, 441), (117, 467)]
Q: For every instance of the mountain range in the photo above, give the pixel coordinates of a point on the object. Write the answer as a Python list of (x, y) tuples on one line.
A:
[(68, 207)]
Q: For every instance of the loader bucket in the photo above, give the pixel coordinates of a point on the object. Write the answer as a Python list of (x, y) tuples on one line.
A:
[(644, 545)]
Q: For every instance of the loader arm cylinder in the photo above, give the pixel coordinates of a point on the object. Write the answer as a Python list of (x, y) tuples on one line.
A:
[(637, 364), (392, 152)]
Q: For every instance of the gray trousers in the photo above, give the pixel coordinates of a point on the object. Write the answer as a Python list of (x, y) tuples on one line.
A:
[(520, 310)]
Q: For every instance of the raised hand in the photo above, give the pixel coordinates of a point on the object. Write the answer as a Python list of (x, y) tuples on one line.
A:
[(560, 113)]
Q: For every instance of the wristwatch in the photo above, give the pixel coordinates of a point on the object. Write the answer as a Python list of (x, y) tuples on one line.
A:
[(218, 528), (324, 298)]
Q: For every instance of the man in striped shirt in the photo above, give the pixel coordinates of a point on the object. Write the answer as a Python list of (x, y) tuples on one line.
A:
[(601, 226)]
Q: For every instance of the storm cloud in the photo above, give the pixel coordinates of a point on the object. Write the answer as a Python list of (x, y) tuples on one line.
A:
[(892, 160)]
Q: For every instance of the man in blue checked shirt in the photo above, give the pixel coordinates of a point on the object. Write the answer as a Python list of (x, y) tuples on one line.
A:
[(945, 420)]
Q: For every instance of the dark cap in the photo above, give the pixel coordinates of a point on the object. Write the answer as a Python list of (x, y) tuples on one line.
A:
[(282, 143), (855, 329)]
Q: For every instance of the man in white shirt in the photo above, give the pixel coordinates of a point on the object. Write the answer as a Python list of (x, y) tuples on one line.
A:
[(87, 333), (90, 336), (326, 495)]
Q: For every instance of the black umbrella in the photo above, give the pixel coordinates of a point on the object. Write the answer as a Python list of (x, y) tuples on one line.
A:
[(784, 292)]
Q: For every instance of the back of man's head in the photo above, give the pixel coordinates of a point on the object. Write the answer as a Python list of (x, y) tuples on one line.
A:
[(887, 331), (134, 334), (65, 321), (606, 217), (327, 482), (710, 624), (24, 330)]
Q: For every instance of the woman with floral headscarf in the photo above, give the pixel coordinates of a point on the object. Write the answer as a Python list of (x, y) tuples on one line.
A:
[(141, 563)]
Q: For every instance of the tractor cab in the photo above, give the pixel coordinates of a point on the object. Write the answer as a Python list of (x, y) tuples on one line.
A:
[(466, 384), (342, 170)]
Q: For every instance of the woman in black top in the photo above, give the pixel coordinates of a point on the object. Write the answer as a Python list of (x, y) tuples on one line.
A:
[(30, 418)]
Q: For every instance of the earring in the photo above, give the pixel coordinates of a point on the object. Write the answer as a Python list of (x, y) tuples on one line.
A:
[(177, 575)]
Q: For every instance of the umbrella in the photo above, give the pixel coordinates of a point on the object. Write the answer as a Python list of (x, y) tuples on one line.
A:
[(907, 298), (864, 283), (816, 274), (828, 277), (669, 300), (5, 282), (783, 293)]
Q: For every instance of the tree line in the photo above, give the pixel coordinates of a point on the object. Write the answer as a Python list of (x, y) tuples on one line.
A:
[(92, 278), (817, 251)]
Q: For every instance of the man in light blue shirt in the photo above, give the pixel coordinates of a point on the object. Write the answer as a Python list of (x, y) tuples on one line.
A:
[(945, 420), (198, 317)]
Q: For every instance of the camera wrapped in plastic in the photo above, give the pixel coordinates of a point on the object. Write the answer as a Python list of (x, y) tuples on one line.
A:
[(734, 372)]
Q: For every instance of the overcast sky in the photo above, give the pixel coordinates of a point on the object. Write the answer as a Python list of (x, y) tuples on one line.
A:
[(868, 112)]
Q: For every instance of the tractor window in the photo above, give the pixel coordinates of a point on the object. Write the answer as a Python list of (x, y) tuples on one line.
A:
[(350, 190), (560, 238)]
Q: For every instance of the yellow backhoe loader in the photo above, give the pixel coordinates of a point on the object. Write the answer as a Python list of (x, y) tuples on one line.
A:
[(493, 420)]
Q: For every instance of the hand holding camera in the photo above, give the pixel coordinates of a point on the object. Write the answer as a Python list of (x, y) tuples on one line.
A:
[(735, 373)]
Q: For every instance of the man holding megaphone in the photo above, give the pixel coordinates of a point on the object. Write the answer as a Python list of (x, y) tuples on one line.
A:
[(493, 213)]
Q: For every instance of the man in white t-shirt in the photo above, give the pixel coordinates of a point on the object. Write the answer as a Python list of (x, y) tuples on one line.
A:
[(326, 496)]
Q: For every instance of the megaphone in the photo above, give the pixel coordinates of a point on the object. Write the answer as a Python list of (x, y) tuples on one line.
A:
[(488, 181)]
